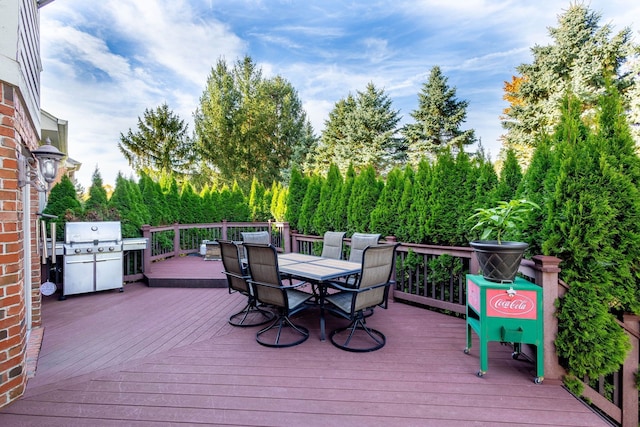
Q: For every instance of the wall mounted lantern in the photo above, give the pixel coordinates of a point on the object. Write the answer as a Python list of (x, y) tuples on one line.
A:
[(48, 158)]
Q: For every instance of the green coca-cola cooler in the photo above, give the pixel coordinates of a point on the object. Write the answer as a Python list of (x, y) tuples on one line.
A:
[(508, 313)]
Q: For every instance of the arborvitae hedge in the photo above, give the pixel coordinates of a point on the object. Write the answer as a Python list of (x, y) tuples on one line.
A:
[(343, 201), (257, 202), (297, 190), (324, 218), (155, 201), (510, 177), (403, 230), (427, 205), (364, 196), (451, 200), (127, 200), (64, 204), (486, 183), (235, 206), (310, 204), (172, 195), (189, 205), (537, 184), (385, 218), (593, 226), (95, 208), (279, 202)]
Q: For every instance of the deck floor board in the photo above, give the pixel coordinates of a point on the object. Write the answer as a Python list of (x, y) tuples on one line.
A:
[(167, 356)]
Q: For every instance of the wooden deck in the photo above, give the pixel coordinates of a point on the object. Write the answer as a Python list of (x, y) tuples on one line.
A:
[(167, 356), (186, 272)]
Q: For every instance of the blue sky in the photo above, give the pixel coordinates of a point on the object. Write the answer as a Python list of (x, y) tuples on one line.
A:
[(105, 62)]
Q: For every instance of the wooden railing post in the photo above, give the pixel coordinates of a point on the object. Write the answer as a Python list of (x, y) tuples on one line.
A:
[(547, 269), (224, 230), (392, 239), (176, 240), (146, 233), (474, 267), (629, 372), (286, 236)]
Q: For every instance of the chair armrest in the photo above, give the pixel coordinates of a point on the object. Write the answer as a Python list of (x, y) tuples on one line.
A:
[(339, 286), (269, 285), (237, 276)]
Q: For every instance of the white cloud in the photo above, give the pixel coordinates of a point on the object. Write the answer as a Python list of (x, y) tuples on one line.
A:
[(170, 34), (106, 62)]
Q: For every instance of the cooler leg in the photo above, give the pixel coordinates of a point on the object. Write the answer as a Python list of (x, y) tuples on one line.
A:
[(469, 337), (484, 357), (539, 363)]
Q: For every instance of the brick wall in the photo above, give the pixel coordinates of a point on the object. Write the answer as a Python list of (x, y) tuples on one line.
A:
[(15, 130)]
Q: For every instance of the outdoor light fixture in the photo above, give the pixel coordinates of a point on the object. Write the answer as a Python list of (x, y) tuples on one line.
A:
[(48, 158)]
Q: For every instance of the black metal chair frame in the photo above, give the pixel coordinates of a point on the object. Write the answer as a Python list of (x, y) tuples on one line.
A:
[(235, 279)]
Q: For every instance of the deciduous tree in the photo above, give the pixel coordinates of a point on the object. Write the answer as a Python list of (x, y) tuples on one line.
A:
[(248, 126)]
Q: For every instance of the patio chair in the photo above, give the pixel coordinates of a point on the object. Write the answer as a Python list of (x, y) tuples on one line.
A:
[(371, 290), (262, 237), (251, 314), (332, 244), (359, 241), (269, 290)]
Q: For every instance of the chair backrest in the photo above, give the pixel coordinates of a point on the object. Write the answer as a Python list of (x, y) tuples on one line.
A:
[(262, 237), (359, 241), (377, 267), (332, 244), (265, 275), (236, 276)]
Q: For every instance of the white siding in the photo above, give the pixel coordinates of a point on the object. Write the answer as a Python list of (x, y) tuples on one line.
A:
[(20, 63)]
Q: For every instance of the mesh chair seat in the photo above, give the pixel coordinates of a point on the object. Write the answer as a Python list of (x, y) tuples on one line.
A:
[(296, 298), (342, 300)]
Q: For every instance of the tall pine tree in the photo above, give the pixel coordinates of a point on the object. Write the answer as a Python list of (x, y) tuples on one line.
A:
[(361, 132), (438, 120)]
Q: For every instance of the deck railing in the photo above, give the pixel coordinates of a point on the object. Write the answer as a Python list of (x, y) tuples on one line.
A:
[(434, 277), (133, 266), (183, 239)]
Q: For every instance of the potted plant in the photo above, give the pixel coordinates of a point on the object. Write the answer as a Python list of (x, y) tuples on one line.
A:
[(499, 259)]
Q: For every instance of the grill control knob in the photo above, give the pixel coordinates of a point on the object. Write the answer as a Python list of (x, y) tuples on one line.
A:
[(100, 249), (89, 250), (77, 251), (111, 249)]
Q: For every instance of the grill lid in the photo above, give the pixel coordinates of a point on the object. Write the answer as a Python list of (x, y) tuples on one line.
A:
[(96, 231)]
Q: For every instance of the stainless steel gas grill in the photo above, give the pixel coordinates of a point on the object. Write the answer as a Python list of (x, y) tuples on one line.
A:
[(92, 257)]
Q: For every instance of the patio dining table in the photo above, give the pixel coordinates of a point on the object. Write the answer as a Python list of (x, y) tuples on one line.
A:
[(317, 271)]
